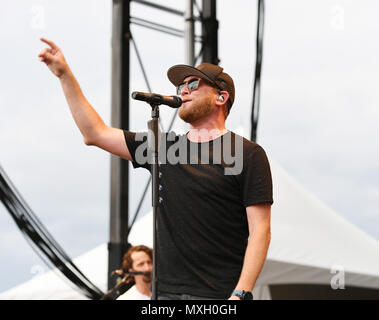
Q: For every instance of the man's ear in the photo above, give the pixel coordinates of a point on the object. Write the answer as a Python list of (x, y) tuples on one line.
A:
[(222, 98)]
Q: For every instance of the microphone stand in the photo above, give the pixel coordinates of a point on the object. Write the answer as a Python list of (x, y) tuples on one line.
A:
[(108, 295), (153, 126), (153, 146)]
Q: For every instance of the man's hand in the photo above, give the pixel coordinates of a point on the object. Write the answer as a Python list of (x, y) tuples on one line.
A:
[(234, 298), (54, 59)]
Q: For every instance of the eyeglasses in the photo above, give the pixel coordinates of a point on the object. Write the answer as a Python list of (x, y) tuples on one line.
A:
[(192, 85)]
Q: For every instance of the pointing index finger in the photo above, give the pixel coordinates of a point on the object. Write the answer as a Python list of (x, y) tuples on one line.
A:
[(50, 43)]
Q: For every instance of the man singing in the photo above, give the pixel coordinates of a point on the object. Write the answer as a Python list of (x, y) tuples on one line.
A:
[(215, 186)]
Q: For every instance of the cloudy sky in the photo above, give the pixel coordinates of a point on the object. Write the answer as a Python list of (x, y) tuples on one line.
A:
[(318, 108)]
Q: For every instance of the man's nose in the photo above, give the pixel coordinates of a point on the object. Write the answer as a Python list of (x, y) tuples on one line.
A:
[(185, 90)]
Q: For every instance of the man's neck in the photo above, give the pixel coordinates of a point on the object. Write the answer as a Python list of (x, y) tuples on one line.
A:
[(144, 288), (206, 130)]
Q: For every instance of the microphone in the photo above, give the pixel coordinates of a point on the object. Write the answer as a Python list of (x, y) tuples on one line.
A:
[(157, 99), (121, 272), (134, 273)]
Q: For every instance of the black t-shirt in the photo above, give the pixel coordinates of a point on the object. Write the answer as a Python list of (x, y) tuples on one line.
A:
[(204, 191)]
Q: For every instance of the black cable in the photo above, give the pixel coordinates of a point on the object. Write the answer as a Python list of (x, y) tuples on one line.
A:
[(41, 240), (258, 70)]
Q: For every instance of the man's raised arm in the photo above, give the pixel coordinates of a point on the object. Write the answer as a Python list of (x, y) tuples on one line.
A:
[(94, 130)]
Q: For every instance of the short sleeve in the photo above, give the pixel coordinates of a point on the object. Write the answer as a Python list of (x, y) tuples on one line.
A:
[(256, 178), (137, 146)]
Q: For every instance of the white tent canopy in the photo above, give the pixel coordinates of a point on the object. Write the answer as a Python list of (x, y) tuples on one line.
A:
[(93, 264), (311, 244)]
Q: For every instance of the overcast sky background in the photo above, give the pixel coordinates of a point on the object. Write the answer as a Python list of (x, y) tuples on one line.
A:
[(318, 120)]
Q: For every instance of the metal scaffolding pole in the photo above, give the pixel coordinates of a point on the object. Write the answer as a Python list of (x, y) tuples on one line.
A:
[(210, 32), (118, 242), (189, 34)]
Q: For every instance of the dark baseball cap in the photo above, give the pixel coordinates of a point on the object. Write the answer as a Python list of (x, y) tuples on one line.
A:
[(207, 71)]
